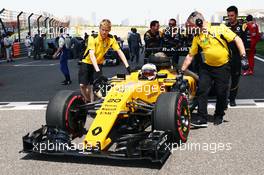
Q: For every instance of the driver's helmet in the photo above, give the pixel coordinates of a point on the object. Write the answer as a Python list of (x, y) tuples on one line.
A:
[(149, 71)]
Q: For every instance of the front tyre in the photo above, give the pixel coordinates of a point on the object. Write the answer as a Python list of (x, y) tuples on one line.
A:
[(63, 112), (171, 113)]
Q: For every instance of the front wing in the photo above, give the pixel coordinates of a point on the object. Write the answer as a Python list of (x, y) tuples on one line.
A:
[(151, 146)]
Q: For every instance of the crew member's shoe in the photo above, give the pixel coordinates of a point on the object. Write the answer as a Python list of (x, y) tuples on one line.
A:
[(245, 73), (250, 72), (226, 106), (218, 119), (67, 82), (232, 103), (201, 122)]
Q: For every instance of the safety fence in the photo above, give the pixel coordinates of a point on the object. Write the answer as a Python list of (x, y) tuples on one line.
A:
[(18, 24)]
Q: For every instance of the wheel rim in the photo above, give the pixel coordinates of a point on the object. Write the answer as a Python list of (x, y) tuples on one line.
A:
[(182, 119), (73, 116)]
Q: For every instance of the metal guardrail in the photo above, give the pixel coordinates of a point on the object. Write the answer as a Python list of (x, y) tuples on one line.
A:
[(23, 21)]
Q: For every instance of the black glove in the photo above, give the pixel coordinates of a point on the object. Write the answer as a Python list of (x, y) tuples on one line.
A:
[(180, 74), (128, 70), (184, 86), (244, 63), (179, 78), (181, 85), (97, 75)]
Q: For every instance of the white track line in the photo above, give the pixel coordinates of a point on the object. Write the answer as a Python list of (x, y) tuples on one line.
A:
[(29, 64), (22, 58), (42, 105), (260, 59), (37, 105), (37, 65), (26, 63)]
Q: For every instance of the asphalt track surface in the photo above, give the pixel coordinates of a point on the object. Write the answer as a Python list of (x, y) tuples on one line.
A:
[(235, 147), (38, 80)]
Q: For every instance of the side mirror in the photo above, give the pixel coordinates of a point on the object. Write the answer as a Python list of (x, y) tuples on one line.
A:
[(121, 76), (162, 75)]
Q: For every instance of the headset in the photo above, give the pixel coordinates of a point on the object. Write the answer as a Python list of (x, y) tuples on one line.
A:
[(198, 21)]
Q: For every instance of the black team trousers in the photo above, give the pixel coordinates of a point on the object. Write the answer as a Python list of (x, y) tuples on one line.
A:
[(220, 77)]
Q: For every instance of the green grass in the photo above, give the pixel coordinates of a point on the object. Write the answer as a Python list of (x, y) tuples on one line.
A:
[(260, 48)]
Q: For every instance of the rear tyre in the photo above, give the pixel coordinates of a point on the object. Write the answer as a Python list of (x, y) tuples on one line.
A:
[(171, 113), (63, 112)]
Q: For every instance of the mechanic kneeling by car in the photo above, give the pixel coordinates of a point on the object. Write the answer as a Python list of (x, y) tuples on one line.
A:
[(91, 66), (212, 38)]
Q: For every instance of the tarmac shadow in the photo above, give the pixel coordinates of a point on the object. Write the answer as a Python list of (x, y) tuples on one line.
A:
[(93, 161), (210, 118)]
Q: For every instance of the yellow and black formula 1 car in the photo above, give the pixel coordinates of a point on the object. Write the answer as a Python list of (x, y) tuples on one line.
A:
[(137, 117)]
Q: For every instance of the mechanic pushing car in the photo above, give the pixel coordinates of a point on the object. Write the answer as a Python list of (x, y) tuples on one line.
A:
[(235, 61), (153, 37), (91, 66), (215, 66)]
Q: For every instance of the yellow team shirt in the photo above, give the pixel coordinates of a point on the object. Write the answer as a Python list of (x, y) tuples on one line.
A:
[(215, 54), (100, 47)]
